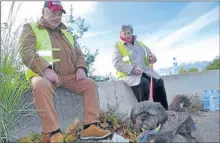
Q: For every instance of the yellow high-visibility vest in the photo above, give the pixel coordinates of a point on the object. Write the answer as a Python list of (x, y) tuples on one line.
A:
[(44, 47), (125, 57)]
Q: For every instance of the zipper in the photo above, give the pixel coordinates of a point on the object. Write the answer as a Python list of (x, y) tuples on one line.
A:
[(66, 56)]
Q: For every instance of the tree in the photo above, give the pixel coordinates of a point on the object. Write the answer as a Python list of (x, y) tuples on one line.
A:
[(182, 71), (77, 27), (193, 70), (214, 65)]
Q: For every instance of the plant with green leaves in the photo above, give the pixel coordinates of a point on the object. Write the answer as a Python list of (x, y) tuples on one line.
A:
[(214, 65), (182, 70), (193, 69), (12, 83)]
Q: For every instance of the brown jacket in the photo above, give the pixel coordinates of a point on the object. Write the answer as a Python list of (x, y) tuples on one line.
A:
[(70, 59)]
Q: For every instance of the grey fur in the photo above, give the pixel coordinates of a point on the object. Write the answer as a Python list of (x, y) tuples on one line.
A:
[(148, 115)]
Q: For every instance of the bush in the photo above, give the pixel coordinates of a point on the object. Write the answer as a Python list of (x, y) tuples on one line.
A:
[(214, 65), (12, 83), (11, 91)]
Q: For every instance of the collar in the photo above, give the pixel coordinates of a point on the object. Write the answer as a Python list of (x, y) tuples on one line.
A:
[(143, 137), (61, 26), (123, 42)]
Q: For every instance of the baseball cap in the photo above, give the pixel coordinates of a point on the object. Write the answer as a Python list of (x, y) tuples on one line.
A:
[(54, 6)]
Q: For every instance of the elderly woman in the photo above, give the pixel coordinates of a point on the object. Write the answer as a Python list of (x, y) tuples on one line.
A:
[(131, 61)]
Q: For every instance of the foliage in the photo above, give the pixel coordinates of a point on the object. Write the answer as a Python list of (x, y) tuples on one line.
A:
[(12, 83), (182, 70), (214, 65), (193, 70), (12, 88), (90, 59), (115, 121), (77, 27)]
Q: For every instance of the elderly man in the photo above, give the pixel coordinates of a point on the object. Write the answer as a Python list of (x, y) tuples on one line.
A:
[(53, 58), (131, 60)]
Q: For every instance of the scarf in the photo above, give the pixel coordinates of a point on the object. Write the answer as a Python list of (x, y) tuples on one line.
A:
[(132, 39)]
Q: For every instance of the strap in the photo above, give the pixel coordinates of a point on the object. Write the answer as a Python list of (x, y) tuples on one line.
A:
[(69, 37), (124, 53), (122, 49), (151, 81)]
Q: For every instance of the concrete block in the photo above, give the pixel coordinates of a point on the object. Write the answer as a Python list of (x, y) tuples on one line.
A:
[(116, 92), (68, 106)]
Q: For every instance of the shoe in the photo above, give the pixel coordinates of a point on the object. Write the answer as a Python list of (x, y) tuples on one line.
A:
[(57, 138), (45, 138), (94, 132)]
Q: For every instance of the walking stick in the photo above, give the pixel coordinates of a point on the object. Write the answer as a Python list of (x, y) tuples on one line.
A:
[(151, 80)]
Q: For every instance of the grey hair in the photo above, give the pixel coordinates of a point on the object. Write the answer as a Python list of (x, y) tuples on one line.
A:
[(126, 27)]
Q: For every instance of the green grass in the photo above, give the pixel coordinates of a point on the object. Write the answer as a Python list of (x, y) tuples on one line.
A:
[(12, 82), (12, 105)]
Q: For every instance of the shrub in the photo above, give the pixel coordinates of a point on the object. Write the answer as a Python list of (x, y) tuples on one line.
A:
[(12, 83)]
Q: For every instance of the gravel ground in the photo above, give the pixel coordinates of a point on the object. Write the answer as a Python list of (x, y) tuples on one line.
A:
[(208, 125)]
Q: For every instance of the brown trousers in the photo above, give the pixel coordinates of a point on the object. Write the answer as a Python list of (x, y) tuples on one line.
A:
[(43, 91)]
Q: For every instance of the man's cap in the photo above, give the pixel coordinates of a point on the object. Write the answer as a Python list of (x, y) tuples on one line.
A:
[(54, 6)]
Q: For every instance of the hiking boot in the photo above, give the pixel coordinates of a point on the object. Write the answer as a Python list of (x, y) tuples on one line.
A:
[(94, 132), (57, 138), (45, 138)]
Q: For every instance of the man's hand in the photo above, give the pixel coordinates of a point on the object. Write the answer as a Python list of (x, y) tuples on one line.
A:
[(80, 74), (137, 71), (51, 75)]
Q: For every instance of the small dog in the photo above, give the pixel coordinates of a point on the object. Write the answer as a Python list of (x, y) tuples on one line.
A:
[(177, 120)]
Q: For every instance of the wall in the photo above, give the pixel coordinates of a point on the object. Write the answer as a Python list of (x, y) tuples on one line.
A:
[(69, 105), (191, 83)]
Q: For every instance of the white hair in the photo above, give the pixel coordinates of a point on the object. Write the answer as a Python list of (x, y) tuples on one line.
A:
[(126, 27)]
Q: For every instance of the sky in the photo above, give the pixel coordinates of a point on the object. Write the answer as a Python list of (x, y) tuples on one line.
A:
[(188, 31)]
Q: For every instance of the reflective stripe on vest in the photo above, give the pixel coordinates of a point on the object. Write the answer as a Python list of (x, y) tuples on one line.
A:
[(44, 46), (125, 56)]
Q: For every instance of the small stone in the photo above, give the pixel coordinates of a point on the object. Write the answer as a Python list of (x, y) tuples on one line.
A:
[(196, 121)]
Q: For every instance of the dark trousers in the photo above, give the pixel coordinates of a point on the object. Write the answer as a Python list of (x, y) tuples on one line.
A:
[(141, 91)]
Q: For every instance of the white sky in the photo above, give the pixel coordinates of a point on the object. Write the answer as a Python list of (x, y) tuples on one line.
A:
[(33, 9)]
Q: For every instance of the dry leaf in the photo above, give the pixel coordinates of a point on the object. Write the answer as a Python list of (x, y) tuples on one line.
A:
[(72, 127), (104, 125), (24, 140), (129, 135), (70, 138), (116, 126)]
